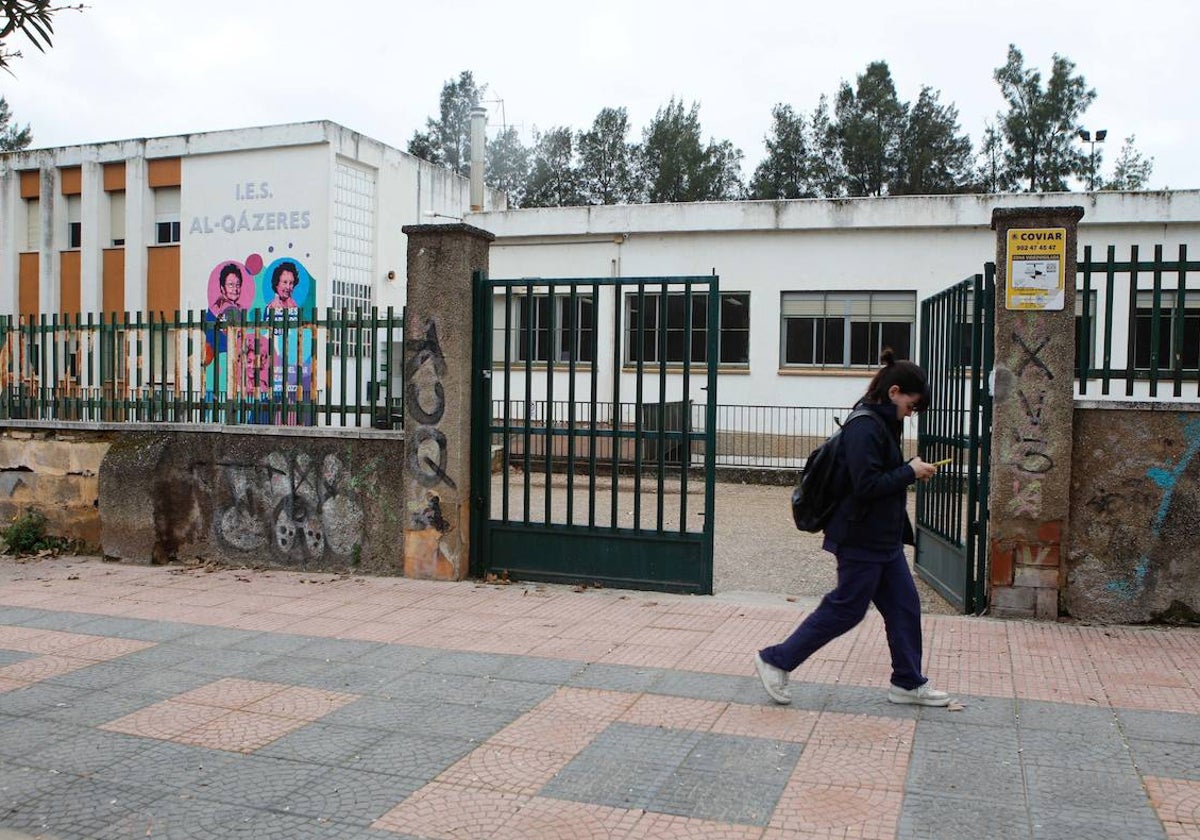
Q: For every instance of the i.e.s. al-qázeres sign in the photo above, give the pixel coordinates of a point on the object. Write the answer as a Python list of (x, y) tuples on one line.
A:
[(1036, 268)]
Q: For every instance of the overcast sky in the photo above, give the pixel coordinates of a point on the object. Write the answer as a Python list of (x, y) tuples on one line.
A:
[(147, 68)]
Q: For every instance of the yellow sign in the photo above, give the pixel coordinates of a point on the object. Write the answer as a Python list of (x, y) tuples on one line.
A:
[(1036, 268)]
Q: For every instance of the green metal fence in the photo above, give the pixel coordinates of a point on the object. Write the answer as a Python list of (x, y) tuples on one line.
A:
[(1137, 324), (263, 367)]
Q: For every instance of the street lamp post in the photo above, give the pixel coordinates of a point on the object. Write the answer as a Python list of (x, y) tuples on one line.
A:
[(1086, 137)]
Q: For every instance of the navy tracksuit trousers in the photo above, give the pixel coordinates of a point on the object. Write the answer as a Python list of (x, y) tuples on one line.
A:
[(887, 584)]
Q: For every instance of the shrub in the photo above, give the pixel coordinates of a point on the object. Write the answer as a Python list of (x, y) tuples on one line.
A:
[(26, 534)]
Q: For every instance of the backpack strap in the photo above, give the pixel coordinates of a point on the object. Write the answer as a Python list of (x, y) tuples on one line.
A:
[(860, 412)]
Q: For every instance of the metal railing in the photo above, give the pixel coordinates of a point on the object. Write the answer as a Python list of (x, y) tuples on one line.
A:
[(747, 436), (261, 367), (1138, 325)]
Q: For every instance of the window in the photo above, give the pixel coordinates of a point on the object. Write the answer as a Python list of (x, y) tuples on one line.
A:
[(116, 218), (1089, 338), (166, 216), (568, 335), (645, 319), (355, 300), (74, 225), (1170, 328), (33, 224), (846, 329)]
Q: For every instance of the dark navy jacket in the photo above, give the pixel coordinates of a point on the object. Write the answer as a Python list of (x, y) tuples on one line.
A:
[(871, 522)]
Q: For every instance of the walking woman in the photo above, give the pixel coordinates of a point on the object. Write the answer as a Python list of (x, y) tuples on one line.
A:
[(867, 534)]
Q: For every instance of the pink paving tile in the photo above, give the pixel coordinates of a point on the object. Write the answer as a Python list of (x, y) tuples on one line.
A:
[(597, 631), (303, 704), (442, 812), (42, 668), (549, 732), (705, 622), (642, 656), (11, 685), (22, 638), (165, 721), (674, 712), (669, 827), (844, 730), (552, 819), (774, 722), (1177, 803), (240, 731), (505, 769), (715, 662), (323, 626), (102, 649), (592, 704), (827, 811), (580, 650), (655, 636), (230, 693), (853, 767)]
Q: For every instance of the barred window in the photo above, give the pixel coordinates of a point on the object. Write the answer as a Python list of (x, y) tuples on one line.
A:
[(645, 319), (568, 335)]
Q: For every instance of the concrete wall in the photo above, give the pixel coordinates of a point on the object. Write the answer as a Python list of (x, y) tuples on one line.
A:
[(1135, 513), (282, 500), (57, 474)]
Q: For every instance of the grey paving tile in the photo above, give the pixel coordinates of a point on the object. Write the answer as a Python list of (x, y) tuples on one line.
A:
[(616, 677), (21, 784), (497, 693), (222, 662), (1060, 717), (1163, 758), (18, 736), (275, 643), (199, 819), (81, 808), (168, 767), (728, 779), (354, 797), (476, 723), (1068, 822), (429, 687), (398, 659), (377, 713), (94, 707), (976, 710), (335, 650), (161, 683), (468, 663), (538, 670), (420, 757), (1160, 726), (1046, 748), (957, 736), (623, 767), (134, 628), (321, 743), (162, 655), (87, 752), (966, 775), (53, 620), (21, 616), (215, 637), (927, 817), (254, 781), (37, 697), (349, 677), (289, 670), (1095, 791), (101, 675), (11, 657), (717, 687)]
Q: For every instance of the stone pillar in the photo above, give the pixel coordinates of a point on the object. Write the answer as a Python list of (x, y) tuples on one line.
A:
[(1033, 408), (438, 335)]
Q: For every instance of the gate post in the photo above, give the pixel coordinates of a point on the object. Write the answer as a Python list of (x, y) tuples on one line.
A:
[(1033, 408), (438, 336)]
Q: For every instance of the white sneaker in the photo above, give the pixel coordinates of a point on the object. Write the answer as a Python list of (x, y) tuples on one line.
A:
[(922, 695), (774, 680)]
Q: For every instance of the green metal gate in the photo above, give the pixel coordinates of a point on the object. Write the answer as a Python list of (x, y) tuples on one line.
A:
[(957, 351), (593, 431)]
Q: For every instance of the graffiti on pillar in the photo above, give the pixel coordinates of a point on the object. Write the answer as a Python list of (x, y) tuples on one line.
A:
[(1028, 453), (425, 403), (297, 507)]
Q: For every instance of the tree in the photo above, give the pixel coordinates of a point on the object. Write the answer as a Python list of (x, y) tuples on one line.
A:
[(1131, 170), (605, 173), (828, 171), (1041, 123), (32, 18), (446, 141), (870, 119), (508, 166), (13, 138), (991, 172), (552, 180), (786, 170), (932, 158), (675, 165)]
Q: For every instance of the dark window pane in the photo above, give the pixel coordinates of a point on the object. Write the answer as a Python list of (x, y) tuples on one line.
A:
[(735, 347), (1191, 342), (798, 341), (861, 344), (735, 312), (898, 336), (833, 351)]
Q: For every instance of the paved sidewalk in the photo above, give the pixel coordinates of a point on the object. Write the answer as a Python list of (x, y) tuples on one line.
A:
[(168, 703)]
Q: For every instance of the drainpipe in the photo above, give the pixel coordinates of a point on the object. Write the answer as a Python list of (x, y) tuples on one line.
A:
[(478, 143)]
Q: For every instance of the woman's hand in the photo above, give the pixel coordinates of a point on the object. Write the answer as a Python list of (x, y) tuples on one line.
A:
[(923, 469)]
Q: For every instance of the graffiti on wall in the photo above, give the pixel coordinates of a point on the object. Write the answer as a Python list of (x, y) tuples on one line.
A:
[(425, 403), (1169, 478), (1029, 451), (297, 507)]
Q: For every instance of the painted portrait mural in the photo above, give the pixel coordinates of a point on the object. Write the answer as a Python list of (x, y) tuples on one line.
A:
[(250, 220)]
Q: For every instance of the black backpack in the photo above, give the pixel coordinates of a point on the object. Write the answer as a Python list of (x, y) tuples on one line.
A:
[(815, 496)]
